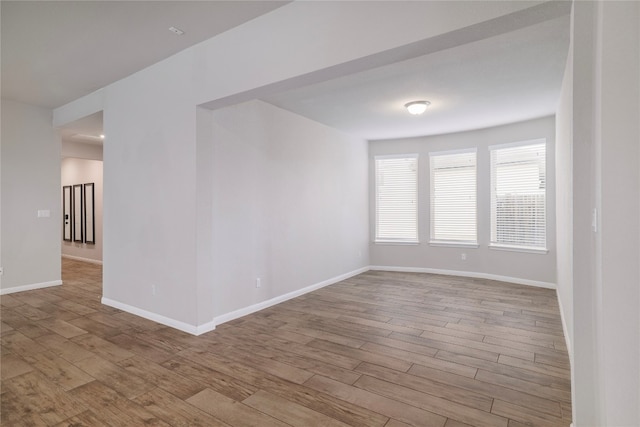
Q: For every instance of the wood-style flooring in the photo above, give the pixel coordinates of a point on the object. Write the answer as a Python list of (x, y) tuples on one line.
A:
[(379, 349)]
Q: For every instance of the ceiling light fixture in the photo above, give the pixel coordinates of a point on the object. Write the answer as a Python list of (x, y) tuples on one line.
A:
[(177, 31), (417, 107)]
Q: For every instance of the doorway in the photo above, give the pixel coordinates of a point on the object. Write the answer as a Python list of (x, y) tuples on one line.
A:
[(81, 169)]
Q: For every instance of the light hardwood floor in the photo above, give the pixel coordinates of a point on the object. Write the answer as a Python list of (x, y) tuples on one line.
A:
[(379, 349)]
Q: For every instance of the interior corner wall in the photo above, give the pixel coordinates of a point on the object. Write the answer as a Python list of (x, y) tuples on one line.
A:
[(289, 204), (586, 384), (618, 141), (564, 201), (149, 245), (606, 164), (204, 218), (81, 171), (30, 183), (527, 267)]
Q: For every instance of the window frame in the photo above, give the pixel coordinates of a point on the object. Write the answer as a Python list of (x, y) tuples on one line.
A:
[(432, 194), (493, 244), (388, 240)]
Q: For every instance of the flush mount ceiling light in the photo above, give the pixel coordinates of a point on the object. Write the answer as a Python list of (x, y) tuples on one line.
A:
[(417, 107), (177, 31)]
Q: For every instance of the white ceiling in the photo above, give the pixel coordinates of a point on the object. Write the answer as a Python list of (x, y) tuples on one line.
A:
[(86, 130), (503, 79), (55, 52)]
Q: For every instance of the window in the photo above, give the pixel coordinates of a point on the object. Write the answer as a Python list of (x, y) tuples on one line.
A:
[(396, 198), (453, 197), (518, 195)]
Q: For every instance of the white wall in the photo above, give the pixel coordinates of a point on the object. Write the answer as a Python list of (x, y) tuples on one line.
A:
[(529, 267), (289, 203), (588, 400), (150, 233), (81, 171), (564, 201), (30, 182), (155, 258), (598, 120), (618, 140)]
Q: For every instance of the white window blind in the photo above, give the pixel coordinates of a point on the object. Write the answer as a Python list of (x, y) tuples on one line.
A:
[(453, 197), (396, 198), (518, 195)]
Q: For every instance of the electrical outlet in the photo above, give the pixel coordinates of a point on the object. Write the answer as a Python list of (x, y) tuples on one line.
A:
[(463, 257), (153, 290), (258, 283), (1, 271)]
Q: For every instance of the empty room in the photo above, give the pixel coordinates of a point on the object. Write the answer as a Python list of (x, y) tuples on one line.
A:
[(320, 213)]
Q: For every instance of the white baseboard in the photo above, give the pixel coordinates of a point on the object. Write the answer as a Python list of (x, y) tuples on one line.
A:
[(516, 280), (77, 258), (167, 321), (204, 328), (31, 287), (210, 326), (565, 330), (282, 298)]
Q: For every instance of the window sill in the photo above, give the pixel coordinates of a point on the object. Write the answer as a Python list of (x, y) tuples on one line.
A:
[(444, 243), (519, 249), (397, 242)]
